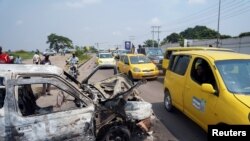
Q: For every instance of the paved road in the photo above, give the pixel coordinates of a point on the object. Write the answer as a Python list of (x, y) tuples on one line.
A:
[(172, 126)]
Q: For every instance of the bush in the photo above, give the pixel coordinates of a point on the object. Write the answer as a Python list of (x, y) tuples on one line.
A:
[(82, 56), (23, 54)]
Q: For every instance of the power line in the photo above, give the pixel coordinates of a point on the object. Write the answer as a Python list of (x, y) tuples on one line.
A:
[(158, 32), (211, 18)]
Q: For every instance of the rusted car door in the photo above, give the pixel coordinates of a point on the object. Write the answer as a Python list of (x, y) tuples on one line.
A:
[(54, 125)]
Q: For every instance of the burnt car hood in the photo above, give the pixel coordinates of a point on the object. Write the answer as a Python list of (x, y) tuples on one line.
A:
[(111, 86)]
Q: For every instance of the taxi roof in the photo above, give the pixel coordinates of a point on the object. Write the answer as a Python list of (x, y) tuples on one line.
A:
[(198, 48), (30, 68), (216, 55)]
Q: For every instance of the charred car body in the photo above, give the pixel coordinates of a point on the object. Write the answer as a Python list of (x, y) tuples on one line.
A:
[(107, 110)]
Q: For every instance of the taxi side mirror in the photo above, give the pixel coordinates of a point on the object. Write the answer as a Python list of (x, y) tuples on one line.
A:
[(208, 88)]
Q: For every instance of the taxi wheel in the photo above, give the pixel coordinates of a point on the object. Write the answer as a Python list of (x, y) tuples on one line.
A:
[(130, 76), (168, 101)]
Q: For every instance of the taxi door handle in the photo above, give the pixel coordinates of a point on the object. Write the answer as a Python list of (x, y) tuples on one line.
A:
[(188, 87)]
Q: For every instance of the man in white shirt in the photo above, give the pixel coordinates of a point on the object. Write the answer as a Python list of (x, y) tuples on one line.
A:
[(36, 58)]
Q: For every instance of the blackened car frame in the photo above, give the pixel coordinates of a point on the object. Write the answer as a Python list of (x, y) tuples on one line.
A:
[(107, 110)]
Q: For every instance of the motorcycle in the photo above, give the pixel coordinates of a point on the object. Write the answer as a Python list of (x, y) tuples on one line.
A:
[(73, 71)]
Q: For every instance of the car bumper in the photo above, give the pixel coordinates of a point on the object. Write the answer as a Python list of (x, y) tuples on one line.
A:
[(146, 75)]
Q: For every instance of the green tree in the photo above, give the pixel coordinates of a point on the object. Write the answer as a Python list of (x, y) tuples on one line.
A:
[(199, 32), (149, 43), (244, 34), (172, 38), (93, 49), (225, 36), (58, 42)]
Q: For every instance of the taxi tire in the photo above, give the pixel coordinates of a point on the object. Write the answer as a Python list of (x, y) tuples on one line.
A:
[(168, 101), (130, 76)]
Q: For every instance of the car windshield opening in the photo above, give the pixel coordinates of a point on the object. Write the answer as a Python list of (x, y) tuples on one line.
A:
[(139, 60), (105, 56), (155, 52)]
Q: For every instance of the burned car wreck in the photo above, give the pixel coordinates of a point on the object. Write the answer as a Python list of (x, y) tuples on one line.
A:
[(107, 110)]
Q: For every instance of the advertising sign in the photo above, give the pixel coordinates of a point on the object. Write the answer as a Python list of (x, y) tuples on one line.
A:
[(127, 45)]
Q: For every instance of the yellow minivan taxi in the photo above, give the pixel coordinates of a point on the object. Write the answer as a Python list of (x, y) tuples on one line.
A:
[(137, 66), (210, 87), (170, 50)]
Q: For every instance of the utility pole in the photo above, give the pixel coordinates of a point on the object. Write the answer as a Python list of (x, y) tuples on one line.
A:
[(97, 46), (158, 35), (218, 26), (153, 32), (158, 32)]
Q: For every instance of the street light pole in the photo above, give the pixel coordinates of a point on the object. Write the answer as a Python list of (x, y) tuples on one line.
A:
[(218, 26)]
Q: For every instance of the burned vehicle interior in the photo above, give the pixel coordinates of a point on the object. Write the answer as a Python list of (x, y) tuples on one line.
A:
[(33, 101)]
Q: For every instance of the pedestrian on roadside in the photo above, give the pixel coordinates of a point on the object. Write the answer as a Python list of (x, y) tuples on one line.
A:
[(18, 60), (36, 58), (46, 87), (4, 57)]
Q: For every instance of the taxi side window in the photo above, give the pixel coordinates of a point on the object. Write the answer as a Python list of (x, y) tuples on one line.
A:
[(2, 92), (179, 64), (121, 58), (126, 60), (168, 54), (201, 72)]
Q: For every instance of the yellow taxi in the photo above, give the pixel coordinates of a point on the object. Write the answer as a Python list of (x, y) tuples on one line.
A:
[(105, 59), (170, 50), (137, 66), (210, 87)]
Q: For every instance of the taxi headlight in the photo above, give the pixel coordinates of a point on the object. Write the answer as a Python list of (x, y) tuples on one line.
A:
[(136, 69), (249, 117)]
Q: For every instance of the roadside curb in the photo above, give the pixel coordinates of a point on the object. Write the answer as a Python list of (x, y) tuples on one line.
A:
[(84, 62)]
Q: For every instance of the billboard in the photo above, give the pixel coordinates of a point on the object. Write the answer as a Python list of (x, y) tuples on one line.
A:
[(127, 45)]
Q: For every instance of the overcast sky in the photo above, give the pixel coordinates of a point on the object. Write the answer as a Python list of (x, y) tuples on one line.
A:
[(25, 24)]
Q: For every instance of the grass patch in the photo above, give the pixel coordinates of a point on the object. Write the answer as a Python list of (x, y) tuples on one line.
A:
[(82, 56), (23, 54)]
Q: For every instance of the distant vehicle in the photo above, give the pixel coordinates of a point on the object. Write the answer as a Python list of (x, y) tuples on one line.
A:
[(137, 66), (154, 54), (120, 52), (50, 52), (105, 59)]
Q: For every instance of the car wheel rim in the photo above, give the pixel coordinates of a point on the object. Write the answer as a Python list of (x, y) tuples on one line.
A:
[(167, 101)]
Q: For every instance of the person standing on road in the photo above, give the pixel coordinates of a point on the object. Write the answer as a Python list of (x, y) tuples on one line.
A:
[(18, 60), (46, 87), (4, 57), (36, 58)]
